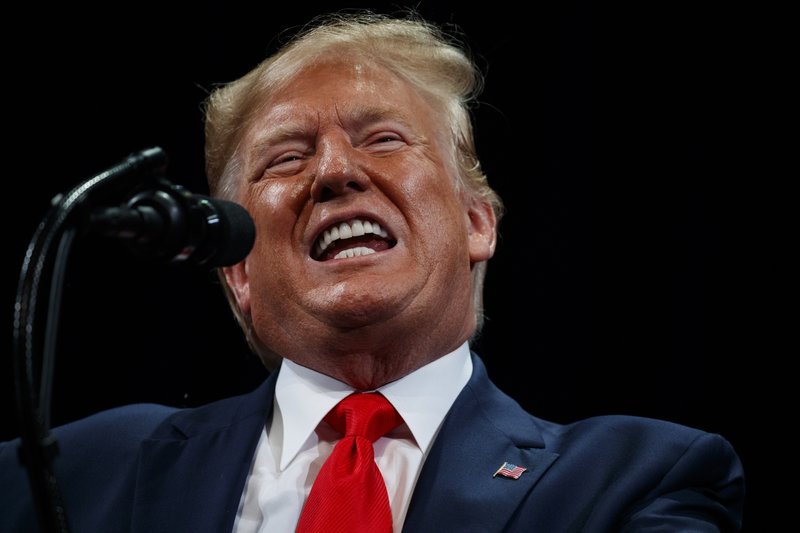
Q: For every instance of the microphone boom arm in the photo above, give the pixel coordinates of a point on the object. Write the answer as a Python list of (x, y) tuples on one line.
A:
[(167, 222)]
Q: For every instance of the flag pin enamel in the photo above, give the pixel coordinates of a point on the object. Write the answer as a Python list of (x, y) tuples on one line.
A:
[(510, 470)]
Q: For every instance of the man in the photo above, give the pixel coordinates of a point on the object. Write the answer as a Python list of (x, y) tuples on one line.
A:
[(352, 149)]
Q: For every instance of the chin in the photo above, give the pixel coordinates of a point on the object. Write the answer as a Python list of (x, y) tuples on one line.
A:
[(358, 309)]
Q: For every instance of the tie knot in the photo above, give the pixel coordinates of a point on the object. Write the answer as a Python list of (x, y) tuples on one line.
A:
[(368, 414)]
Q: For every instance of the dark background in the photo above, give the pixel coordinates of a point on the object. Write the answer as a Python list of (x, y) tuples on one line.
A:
[(620, 283)]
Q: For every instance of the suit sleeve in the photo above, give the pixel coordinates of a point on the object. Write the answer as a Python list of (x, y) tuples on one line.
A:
[(702, 492), (16, 511), (95, 467)]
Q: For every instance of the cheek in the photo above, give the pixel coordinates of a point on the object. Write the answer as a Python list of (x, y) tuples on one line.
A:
[(424, 180), (265, 198), (276, 207), (438, 217), (432, 199), (276, 204)]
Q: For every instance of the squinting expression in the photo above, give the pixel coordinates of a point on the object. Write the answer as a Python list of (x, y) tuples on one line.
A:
[(350, 182)]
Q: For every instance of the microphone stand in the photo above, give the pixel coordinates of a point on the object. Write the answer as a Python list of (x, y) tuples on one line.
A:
[(38, 447)]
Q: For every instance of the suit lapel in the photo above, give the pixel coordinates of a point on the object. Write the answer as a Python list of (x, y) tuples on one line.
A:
[(457, 489), (192, 473)]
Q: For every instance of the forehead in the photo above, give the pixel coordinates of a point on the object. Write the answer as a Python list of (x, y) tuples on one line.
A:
[(345, 88)]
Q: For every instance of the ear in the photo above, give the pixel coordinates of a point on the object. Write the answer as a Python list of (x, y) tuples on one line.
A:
[(239, 283), (482, 230)]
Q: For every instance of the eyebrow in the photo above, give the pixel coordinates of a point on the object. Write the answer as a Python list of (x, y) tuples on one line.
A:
[(364, 114), (297, 127), (281, 133)]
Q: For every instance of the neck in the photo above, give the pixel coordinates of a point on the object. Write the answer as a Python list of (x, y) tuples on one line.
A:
[(369, 365)]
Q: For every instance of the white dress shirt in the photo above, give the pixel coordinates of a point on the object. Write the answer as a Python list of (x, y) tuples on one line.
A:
[(296, 441)]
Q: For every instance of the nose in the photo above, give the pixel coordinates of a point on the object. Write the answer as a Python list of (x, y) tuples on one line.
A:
[(338, 171)]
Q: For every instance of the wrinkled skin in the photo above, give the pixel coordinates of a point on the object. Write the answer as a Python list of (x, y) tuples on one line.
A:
[(344, 141)]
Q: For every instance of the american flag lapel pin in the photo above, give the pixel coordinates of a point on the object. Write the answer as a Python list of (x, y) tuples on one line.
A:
[(510, 470)]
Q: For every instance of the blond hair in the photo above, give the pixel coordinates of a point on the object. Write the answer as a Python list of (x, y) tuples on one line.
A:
[(434, 62)]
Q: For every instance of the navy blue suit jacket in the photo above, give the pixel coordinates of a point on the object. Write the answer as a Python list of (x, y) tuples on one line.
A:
[(152, 469)]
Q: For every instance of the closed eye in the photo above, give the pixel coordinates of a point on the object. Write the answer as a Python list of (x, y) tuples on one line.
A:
[(384, 142), (285, 159), (287, 163)]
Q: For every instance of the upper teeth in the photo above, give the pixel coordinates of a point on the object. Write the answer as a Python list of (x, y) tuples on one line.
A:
[(346, 230)]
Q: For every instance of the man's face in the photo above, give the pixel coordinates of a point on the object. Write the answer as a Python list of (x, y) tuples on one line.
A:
[(349, 179)]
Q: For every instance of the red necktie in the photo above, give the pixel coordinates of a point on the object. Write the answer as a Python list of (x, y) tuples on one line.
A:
[(349, 495)]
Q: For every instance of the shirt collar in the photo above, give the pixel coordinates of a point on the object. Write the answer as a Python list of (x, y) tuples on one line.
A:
[(303, 397)]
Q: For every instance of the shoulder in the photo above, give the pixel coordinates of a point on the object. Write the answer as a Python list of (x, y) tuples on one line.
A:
[(96, 454), (626, 432), (119, 424), (116, 432), (652, 468), (114, 429), (608, 472), (629, 428), (105, 441), (640, 444)]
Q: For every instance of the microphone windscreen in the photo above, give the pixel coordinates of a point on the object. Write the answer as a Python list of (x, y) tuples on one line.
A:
[(238, 234)]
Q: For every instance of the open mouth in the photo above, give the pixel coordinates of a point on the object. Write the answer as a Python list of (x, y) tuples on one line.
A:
[(352, 238)]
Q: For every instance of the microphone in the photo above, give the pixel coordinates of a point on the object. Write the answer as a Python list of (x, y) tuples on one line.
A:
[(170, 224)]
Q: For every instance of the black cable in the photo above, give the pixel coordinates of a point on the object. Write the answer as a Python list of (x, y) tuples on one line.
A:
[(52, 324), (38, 447)]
